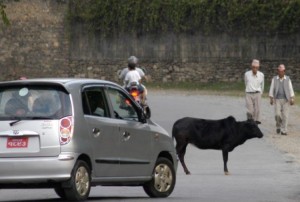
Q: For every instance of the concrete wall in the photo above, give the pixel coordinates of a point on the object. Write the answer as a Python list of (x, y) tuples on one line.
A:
[(40, 43), (182, 57)]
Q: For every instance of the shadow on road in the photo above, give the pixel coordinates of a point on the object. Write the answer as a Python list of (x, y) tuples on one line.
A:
[(106, 198)]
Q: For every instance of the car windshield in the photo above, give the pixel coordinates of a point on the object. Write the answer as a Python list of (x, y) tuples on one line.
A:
[(34, 102)]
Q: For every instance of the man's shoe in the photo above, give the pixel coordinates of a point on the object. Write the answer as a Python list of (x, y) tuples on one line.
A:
[(282, 133), (257, 122), (278, 130)]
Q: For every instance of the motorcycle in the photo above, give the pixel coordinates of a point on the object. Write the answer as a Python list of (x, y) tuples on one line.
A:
[(137, 96)]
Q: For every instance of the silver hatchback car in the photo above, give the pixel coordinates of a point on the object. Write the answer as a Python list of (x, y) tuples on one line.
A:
[(71, 134)]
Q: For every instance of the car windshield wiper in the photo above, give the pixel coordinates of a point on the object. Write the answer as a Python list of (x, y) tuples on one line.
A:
[(18, 119)]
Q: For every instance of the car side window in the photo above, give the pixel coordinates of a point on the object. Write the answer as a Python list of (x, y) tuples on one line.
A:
[(94, 103), (122, 105)]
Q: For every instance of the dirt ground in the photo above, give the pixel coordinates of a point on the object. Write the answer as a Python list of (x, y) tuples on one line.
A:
[(289, 144)]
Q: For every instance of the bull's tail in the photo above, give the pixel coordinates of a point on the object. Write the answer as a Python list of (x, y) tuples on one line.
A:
[(175, 131), (173, 134)]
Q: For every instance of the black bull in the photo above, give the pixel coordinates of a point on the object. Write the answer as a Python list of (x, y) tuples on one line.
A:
[(224, 134)]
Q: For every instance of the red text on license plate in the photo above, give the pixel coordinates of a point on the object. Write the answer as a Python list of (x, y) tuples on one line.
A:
[(17, 142)]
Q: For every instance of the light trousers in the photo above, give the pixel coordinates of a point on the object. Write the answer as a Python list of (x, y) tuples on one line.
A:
[(253, 105), (281, 114)]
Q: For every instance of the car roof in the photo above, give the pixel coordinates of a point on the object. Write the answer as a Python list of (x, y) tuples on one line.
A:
[(66, 82), (63, 81)]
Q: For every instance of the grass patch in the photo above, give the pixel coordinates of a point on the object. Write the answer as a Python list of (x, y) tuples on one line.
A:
[(217, 88), (220, 86)]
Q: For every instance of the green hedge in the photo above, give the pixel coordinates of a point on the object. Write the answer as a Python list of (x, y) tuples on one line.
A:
[(189, 16)]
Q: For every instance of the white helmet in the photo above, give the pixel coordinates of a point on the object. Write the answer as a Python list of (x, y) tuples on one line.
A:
[(132, 61)]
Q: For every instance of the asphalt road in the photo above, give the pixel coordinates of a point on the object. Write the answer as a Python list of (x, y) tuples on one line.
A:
[(259, 172)]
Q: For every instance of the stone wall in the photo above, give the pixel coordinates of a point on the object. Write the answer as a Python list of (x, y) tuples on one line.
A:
[(36, 42), (40, 43)]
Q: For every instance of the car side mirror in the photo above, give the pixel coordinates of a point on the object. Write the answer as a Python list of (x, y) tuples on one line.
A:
[(147, 112), (144, 114)]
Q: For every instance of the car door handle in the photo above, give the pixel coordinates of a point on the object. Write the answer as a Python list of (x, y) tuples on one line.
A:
[(96, 132), (126, 136)]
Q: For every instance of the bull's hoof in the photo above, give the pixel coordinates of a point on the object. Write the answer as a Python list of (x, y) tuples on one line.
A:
[(226, 173), (187, 173)]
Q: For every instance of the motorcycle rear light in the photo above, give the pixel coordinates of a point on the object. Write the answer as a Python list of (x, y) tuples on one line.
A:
[(66, 130), (135, 93)]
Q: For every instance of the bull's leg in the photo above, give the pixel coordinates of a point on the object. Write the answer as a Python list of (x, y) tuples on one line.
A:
[(225, 159), (181, 149)]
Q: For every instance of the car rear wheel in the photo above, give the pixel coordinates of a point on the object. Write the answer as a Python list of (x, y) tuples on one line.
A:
[(163, 180), (80, 182)]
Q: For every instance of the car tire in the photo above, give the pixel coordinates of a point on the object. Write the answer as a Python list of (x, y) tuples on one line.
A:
[(79, 183), (60, 192), (163, 180)]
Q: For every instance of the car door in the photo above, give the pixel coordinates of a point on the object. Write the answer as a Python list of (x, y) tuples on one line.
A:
[(103, 132), (135, 136)]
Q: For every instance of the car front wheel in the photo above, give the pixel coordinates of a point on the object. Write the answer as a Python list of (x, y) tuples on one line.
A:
[(80, 182), (163, 180)]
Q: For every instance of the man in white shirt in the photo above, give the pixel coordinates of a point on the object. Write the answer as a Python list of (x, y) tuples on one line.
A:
[(126, 70), (281, 95), (254, 82), (132, 76)]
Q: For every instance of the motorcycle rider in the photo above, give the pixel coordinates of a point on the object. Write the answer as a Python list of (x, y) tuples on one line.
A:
[(134, 60)]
